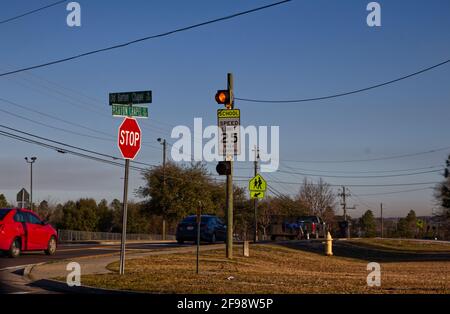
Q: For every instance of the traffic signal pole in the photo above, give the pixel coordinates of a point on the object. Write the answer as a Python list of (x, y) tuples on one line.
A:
[(229, 190)]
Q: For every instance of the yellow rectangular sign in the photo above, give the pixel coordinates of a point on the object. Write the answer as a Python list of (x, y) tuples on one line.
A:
[(228, 113), (254, 195)]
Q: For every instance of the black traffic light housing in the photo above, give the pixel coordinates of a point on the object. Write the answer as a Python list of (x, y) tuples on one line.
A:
[(223, 96), (223, 168)]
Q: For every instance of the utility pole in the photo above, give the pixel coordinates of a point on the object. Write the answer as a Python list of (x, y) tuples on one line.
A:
[(230, 181), (164, 144), (344, 195), (31, 161), (382, 229), (255, 201)]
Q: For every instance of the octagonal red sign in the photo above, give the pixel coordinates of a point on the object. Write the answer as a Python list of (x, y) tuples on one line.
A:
[(129, 138)]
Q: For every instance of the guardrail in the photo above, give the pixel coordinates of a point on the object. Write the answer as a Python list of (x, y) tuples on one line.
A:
[(76, 236)]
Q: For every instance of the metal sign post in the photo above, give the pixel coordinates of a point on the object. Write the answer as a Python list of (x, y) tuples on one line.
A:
[(129, 143), (124, 218), (199, 220)]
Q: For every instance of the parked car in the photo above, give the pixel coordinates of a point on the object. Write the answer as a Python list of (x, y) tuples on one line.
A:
[(22, 230), (212, 229)]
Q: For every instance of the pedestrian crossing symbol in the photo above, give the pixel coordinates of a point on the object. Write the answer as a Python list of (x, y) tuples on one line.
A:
[(257, 184)]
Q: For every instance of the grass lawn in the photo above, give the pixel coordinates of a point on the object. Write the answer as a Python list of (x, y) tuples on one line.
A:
[(271, 269), (404, 245)]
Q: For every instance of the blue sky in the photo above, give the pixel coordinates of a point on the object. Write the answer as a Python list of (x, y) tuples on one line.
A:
[(302, 49)]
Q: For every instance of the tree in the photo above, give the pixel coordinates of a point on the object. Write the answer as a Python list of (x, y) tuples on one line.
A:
[(80, 215), (44, 211), (317, 198), (442, 195), (184, 189), (406, 227), (368, 224), (3, 202), (105, 217)]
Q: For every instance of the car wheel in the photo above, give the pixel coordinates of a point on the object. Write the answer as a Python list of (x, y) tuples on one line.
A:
[(213, 238), (14, 250), (51, 248)]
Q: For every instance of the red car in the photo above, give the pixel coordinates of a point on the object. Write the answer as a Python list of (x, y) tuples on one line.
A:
[(22, 230)]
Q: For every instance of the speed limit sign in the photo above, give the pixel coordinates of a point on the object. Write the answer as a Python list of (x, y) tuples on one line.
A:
[(229, 123)]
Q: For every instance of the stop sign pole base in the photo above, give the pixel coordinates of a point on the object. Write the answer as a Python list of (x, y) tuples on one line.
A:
[(124, 218)]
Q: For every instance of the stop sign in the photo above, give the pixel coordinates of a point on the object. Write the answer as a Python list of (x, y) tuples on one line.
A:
[(129, 140)]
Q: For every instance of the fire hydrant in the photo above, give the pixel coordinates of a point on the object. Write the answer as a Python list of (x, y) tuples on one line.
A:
[(329, 245)]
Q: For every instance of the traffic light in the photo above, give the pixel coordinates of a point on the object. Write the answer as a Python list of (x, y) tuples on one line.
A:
[(223, 97), (223, 168), (446, 174)]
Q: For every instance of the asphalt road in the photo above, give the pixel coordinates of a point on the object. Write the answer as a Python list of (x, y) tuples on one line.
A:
[(67, 251)]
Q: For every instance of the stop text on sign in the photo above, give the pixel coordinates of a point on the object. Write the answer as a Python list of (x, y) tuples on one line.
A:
[(128, 138)]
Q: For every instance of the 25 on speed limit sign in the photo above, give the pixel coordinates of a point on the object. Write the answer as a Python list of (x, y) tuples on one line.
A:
[(129, 138), (229, 122)]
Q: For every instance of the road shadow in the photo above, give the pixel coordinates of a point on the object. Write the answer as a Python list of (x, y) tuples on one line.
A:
[(367, 253)]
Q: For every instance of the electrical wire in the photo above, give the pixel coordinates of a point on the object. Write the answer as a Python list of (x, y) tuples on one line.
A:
[(396, 192), (71, 146), (346, 93), (358, 185), (178, 30), (31, 12), (371, 159), (67, 151), (360, 177)]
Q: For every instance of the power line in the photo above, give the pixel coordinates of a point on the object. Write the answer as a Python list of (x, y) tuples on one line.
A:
[(346, 93), (54, 127), (178, 30), (66, 151), (31, 12), (109, 137), (360, 177), (371, 159), (357, 185), (368, 171), (68, 145), (396, 192), (52, 117)]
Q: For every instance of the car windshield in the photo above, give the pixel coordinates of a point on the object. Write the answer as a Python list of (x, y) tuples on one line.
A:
[(193, 219), (3, 213)]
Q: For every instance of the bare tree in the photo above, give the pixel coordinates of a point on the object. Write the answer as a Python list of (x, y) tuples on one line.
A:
[(316, 197)]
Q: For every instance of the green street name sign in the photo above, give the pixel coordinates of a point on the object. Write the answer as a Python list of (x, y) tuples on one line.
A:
[(131, 98), (129, 111)]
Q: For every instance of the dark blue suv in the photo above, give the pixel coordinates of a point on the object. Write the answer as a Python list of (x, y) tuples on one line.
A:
[(212, 229)]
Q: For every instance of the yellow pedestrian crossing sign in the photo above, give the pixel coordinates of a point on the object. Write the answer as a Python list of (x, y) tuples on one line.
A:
[(257, 184), (254, 194)]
